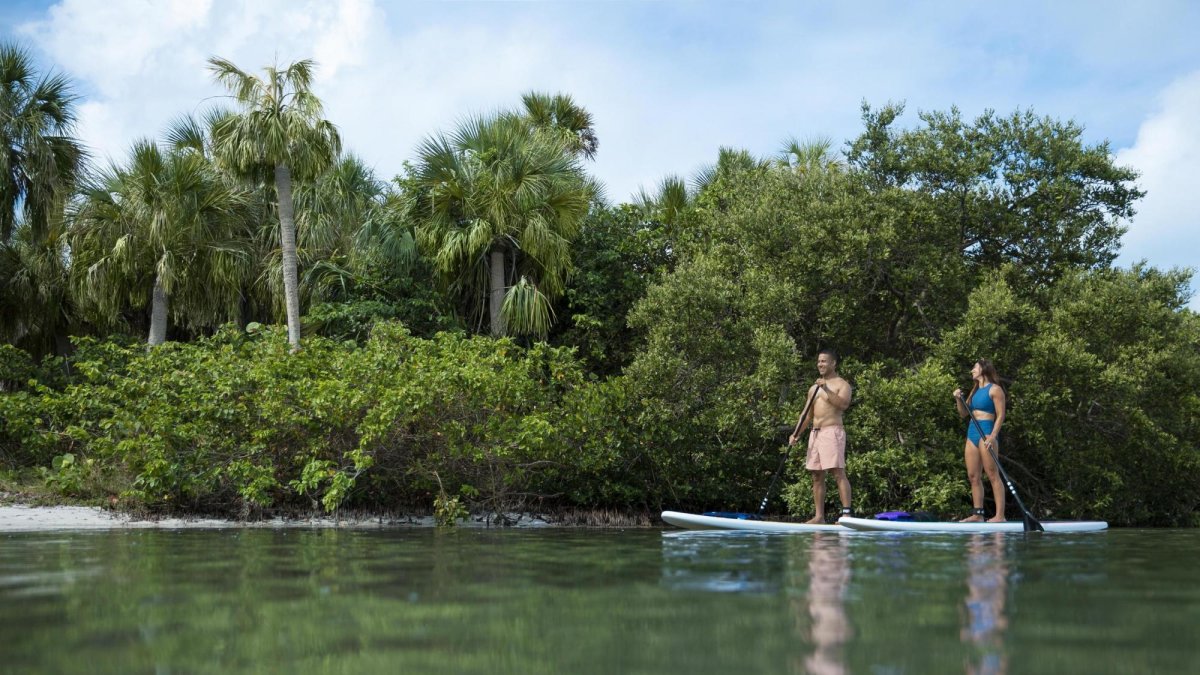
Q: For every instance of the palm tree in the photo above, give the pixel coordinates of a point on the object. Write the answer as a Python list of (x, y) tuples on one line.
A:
[(279, 131), (167, 229), (37, 311), (40, 163), (345, 225), (497, 205), (812, 157), (561, 117), (39, 159), (730, 161), (262, 294), (669, 203)]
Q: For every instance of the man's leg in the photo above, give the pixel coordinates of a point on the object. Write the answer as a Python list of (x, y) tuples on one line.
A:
[(818, 478), (843, 483)]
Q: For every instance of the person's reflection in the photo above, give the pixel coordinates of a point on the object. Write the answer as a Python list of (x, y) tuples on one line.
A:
[(828, 581), (985, 620)]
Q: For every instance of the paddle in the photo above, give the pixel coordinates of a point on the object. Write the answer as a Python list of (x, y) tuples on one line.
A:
[(1031, 523), (783, 462)]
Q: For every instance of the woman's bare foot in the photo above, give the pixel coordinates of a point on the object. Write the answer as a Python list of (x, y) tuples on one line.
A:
[(998, 519), (815, 521), (972, 519)]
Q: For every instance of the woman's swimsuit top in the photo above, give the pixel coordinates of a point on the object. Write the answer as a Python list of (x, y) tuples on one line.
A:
[(981, 401)]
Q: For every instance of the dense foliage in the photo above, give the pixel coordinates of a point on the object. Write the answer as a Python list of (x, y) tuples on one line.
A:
[(235, 421), (658, 351)]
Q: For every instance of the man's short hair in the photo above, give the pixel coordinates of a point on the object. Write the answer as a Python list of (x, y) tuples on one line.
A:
[(832, 354)]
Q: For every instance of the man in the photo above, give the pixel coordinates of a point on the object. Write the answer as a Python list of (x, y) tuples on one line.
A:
[(830, 396)]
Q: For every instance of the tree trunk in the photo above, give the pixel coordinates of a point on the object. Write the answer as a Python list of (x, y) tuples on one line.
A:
[(158, 315), (62, 343), (496, 296), (287, 240)]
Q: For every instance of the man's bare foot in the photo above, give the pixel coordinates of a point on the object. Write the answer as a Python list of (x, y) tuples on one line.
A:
[(818, 520), (998, 519), (972, 519)]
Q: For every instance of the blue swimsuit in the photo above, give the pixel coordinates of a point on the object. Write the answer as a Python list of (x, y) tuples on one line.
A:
[(981, 402)]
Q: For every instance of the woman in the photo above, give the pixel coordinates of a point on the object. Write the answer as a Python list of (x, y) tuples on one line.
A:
[(986, 405)]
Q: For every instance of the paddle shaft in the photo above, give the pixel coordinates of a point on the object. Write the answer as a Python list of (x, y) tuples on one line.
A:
[(1031, 523), (783, 462)]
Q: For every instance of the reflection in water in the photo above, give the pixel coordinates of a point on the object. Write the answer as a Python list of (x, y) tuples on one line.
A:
[(985, 621), (721, 562), (824, 605), (814, 570)]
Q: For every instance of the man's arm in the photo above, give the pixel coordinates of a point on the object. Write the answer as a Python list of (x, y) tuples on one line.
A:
[(806, 416), (837, 393)]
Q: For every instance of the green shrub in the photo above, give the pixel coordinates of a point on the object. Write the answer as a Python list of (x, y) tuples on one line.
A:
[(236, 421)]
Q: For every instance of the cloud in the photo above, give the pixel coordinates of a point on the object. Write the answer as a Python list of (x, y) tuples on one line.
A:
[(142, 63), (388, 78), (1167, 154), (668, 83)]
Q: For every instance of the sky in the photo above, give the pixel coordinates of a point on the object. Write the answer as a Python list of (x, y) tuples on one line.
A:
[(668, 82)]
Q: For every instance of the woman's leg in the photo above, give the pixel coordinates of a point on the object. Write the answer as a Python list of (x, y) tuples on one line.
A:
[(993, 474), (975, 477)]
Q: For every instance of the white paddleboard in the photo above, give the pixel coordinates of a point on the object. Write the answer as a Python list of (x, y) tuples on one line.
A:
[(693, 521), (872, 525)]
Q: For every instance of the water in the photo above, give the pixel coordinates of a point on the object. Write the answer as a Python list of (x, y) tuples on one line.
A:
[(592, 601)]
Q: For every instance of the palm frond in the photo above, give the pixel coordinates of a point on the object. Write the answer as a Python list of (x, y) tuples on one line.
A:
[(526, 310)]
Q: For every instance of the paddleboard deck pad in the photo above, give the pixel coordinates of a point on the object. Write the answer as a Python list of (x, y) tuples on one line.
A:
[(873, 525), (693, 521)]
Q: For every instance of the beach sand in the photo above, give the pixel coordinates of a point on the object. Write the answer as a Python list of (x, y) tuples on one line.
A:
[(21, 518), (25, 518)]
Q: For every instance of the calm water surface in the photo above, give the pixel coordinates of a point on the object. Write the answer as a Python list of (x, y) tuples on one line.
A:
[(597, 601)]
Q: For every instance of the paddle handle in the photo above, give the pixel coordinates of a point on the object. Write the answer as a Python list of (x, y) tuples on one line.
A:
[(762, 507), (804, 413)]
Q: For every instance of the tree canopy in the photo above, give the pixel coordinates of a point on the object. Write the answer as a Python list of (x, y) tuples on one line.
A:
[(497, 205), (280, 132)]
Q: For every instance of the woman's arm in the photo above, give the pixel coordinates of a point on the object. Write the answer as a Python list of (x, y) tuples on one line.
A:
[(958, 403), (998, 400)]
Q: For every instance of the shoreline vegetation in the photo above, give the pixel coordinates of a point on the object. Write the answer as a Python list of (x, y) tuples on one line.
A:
[(241, 318)]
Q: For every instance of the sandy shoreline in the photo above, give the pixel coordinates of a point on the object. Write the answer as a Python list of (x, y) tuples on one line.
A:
[(22, 518)]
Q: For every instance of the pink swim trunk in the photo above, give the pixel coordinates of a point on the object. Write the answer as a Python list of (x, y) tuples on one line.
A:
[(826, 449)]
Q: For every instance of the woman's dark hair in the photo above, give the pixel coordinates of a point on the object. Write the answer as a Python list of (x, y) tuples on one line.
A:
[(988, 370)]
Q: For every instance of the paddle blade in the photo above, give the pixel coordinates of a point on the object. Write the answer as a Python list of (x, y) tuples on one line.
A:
[(1031, 524)]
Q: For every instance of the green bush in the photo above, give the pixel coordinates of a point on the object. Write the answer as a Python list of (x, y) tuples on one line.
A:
[(16, 367), (1103, 423), (236, 422)]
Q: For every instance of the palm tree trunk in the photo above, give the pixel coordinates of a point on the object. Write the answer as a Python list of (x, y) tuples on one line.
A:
[(287, 239), (496, 296), (158, 315)]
